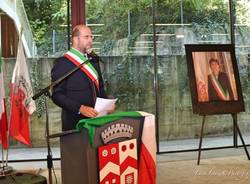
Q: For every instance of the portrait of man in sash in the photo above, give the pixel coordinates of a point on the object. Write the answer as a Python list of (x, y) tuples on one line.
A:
[(214, 75), (219, 87), (214, 79)]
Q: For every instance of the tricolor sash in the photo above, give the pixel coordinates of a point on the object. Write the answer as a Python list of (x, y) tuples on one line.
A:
[(77, 58), (222, 94)]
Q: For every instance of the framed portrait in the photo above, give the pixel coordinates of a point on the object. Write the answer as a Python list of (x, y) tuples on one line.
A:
[(214, 79)]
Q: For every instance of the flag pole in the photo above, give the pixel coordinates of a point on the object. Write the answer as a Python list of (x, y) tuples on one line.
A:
[(4, 168), (7, 168), (2, 164), (7, 158)]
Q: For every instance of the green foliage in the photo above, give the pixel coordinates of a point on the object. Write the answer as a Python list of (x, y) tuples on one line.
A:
[(44, 16), (36, 80), (207, 17), (94, 10), (60, 13)]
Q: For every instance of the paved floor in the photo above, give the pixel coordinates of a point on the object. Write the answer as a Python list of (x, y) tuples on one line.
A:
[(217, 166), (212, 170)]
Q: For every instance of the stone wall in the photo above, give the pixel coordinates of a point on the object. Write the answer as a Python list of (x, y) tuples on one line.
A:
[(131, 79)]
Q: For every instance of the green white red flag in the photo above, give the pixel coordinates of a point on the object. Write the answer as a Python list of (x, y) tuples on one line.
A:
[(147, 161), (3, 115), (22, 104), (147, 155)]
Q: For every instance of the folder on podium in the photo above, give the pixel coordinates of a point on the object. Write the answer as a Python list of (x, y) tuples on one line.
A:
[(80, 161)]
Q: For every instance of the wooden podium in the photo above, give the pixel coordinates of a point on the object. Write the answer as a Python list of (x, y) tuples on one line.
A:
[(79, 159)]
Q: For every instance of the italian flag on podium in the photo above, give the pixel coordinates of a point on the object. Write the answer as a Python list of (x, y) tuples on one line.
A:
[(147, 155)]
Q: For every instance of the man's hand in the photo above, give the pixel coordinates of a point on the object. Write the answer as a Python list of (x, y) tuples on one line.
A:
[(88, 111), (111, 110)]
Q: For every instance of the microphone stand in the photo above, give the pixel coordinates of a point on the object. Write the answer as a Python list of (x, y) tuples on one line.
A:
[(46, 91)]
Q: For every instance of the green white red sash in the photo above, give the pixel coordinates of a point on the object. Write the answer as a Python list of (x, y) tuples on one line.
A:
[(222, 94), (77, 58)]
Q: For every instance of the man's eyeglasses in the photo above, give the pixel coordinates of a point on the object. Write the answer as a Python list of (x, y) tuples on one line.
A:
[(87, 36)]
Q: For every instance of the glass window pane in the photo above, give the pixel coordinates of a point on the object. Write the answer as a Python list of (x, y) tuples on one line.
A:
[(177, 24), (48, 22), (43, 24), (242, 47), (123, 32), (123, 39)]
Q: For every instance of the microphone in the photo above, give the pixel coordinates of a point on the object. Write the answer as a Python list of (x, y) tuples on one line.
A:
[(92, 53), (94, 56)]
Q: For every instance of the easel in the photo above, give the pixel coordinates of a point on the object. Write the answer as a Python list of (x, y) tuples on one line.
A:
[(236, 131)]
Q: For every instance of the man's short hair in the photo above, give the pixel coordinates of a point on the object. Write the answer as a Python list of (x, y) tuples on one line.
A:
[(213, 60), (76, 30)]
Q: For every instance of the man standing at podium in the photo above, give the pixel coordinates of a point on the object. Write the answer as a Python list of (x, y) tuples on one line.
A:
[(76, 95)]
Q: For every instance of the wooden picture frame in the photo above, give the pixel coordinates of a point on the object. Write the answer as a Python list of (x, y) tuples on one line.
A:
[(214, 79)]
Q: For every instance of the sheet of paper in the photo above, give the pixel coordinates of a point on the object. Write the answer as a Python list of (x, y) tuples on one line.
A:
[(102, 105)]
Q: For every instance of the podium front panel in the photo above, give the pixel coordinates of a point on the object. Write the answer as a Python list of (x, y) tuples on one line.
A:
[(79, 160)]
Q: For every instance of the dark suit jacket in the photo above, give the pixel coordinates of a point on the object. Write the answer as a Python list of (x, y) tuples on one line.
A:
[(224, 81), (74, 91)]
